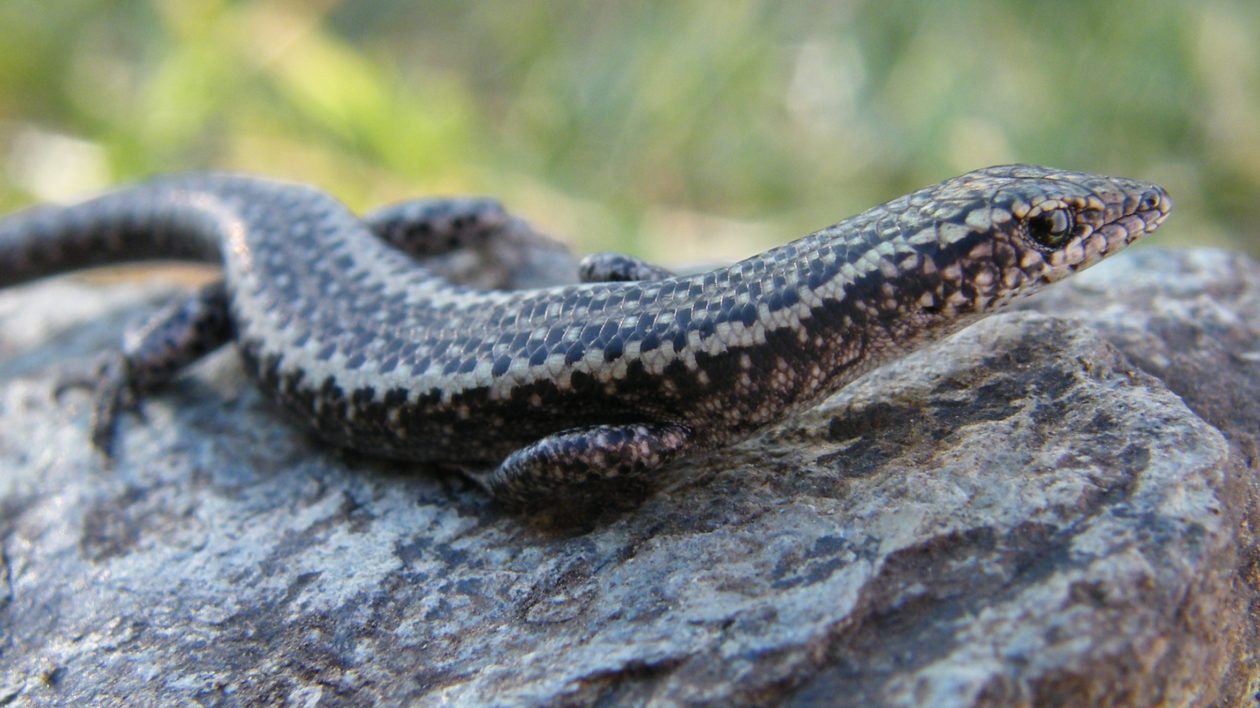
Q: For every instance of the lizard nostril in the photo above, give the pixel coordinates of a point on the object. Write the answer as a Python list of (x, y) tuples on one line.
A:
[(1151, 199)]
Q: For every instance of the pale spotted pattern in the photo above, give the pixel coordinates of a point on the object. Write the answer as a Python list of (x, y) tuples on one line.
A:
[(353, 334)]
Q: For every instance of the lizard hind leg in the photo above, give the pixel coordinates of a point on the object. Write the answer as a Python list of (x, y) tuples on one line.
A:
[(607, 267), (174, 337), (564, 464), (474, 241), (424, 228)]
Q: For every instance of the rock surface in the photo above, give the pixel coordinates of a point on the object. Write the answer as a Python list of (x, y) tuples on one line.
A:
[(1058, 505)]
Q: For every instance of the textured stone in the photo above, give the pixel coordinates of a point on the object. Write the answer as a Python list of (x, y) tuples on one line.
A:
[(1057, 505)]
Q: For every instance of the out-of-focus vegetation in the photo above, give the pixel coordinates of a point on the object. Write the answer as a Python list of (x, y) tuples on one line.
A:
[(679, 130)]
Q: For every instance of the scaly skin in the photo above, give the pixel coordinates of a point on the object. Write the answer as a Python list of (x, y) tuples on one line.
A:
[(539, 391)]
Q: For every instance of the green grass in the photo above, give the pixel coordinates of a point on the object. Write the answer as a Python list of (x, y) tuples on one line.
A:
[(679, 130)]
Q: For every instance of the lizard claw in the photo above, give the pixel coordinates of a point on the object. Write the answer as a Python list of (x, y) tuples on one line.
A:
[(108, 377)]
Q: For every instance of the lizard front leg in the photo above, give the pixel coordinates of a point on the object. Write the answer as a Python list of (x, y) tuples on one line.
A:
[(563, 462)]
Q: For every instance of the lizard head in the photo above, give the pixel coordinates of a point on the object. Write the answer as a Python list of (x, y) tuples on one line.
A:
[(1005, 231)]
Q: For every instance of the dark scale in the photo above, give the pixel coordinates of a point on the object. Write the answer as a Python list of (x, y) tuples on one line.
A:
[(352, 326)]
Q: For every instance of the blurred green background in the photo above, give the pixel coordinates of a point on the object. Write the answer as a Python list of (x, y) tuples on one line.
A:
[(682, 131)]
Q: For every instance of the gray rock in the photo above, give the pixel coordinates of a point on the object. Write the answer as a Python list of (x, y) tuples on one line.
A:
[(1058, 505)]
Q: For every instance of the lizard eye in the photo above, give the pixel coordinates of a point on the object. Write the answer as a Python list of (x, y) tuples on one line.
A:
[(1050, 228)]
